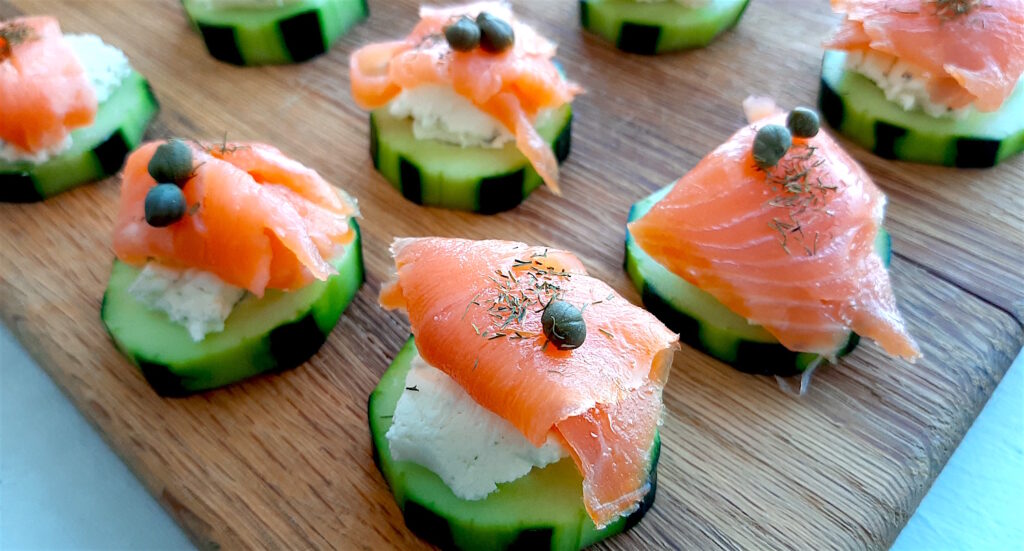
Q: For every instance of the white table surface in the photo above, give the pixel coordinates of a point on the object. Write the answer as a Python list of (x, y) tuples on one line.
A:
[(61, 486)]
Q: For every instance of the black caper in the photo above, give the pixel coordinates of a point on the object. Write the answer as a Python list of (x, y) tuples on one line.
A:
[(496, 35), (463, 35), (770, 145), (171, 162), (563, 325), (803, 122), (165, 205)]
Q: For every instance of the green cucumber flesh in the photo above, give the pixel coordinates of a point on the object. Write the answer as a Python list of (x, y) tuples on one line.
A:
[(97, 151), (274, 333), (479, 179), (857, 108), (708, 325), (654, 28), (542, 510), (267, 36)]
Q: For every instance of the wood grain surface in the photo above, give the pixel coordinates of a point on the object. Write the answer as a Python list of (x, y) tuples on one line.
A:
[(284, 461)]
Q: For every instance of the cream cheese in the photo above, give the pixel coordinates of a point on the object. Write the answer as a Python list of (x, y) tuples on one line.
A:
[(438, 425), (439, 113), (197, 300)]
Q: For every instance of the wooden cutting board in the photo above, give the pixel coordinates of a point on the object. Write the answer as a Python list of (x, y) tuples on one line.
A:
[(284, 461)]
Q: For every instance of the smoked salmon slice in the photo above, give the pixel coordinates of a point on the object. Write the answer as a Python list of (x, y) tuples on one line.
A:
[(44, 91), (790, 248), (256, 219), (475, 308), (971, 52), (513, 86)]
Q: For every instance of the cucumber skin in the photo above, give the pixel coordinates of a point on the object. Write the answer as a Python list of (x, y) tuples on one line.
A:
[(422, 179), (97, 151), (857, 108), (279, 348), (289, 34), (648, 30), (757, 352), (422, 517)]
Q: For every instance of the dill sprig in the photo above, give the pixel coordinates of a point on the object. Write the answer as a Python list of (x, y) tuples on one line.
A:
[(950, 9), (223, 148), (528, 285), (802, 190), (12, 34)]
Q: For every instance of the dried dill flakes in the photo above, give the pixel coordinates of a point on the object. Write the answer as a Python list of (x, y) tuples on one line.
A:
[(949, 9), (12, 34), (223, 147), (802, 192), (529, 285)]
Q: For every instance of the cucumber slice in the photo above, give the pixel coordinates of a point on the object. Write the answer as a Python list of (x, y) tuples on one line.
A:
[(542, 510), (858, 109), (97, 151), (708, 325), (288, 34), (437, 174), (654, 28), (275, 333)]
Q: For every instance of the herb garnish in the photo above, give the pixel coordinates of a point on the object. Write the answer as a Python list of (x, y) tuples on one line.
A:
[(801, 190), (12, 34), (223, 147), (949, 9), (530, 285), (792, 172)]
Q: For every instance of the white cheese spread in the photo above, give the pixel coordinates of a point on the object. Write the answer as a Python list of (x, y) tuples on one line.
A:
[(904, 84), (197, 300), (439, 113), (439, 426)]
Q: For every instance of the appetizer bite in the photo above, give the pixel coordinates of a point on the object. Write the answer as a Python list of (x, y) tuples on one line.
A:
[(524, 411), (265, 32), (770, 254), (935, 82), (469, 111), (232, 260), (71, 108), (656, 26)]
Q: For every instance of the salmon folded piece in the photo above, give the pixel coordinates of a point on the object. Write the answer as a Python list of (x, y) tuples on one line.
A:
[(257, 219), (513, 86), (44, 91), (970, 52), (475, 308), (790, 248)]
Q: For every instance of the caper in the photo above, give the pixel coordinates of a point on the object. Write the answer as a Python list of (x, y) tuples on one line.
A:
[(171, 162), (165, 205), (563, 325), (496, 35), (463, 35), (770, 145), (803, 122)]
